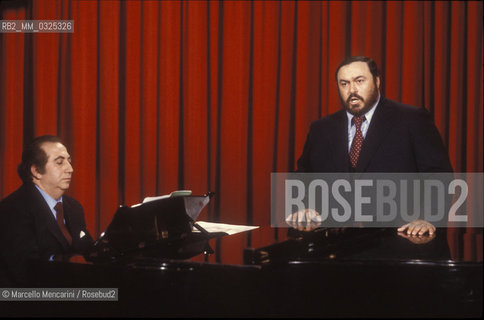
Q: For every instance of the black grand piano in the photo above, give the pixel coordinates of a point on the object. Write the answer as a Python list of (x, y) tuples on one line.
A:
[(354, 272)]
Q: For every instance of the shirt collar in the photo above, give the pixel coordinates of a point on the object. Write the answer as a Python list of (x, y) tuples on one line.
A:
[(367, 115), (51, 202)]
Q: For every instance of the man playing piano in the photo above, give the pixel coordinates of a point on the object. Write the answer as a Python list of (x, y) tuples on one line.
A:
[(37, 221)]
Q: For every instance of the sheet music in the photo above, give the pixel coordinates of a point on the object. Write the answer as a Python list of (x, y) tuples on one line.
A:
[(223, 227), (176, 193)]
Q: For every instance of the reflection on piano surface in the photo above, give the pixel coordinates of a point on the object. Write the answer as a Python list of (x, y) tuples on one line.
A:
[(366, 272)]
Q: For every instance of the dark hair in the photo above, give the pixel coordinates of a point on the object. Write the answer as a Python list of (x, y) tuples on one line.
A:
[(34, 155), (371, 65)]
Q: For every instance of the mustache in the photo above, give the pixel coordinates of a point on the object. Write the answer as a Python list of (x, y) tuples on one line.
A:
[(354, 95)]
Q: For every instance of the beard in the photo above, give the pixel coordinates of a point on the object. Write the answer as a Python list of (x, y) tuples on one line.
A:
[(367, 104)]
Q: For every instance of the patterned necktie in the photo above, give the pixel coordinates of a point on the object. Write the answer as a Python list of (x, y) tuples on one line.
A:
[(357, 141), (60, 221)]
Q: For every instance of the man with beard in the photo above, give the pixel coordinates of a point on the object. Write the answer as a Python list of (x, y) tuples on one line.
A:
[(372, 134)]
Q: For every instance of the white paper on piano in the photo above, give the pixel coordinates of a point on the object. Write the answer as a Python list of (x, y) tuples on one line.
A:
[(177, 193), (223, 227)]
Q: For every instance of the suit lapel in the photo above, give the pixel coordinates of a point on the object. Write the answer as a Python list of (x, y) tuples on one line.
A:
[(380, 125), (42, 210), (69, 218), (340, 142)]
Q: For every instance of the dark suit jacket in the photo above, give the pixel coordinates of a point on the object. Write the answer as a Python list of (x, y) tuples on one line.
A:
[(28, 230), (400, 138)]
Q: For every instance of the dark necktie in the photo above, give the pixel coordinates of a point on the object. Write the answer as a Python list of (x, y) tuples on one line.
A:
[(357, 141), (60, 221)]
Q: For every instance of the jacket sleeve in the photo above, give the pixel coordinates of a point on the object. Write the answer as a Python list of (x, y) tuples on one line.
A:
[(17, 244), (303, 163), (430, 153)]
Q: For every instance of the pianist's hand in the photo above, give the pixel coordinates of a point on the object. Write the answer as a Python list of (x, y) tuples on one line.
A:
[(417, 227), (304, 220)]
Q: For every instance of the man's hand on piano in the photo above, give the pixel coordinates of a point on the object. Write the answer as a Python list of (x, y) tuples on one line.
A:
[(418, 239), (417, 227), (304, 220)]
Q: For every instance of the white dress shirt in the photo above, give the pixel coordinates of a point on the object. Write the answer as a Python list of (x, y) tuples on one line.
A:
[(51, 202)]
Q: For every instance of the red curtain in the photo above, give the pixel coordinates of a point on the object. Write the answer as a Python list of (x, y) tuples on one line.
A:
[(151, 96)]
